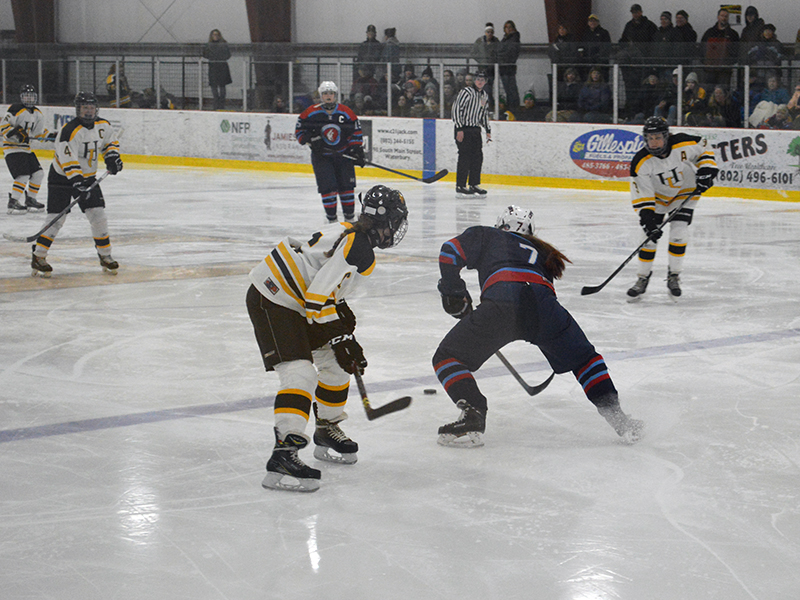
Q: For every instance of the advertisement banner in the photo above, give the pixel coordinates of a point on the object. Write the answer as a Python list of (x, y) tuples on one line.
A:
[(755, 158)]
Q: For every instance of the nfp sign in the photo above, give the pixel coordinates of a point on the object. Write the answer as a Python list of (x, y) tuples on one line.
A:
[(606, 152)]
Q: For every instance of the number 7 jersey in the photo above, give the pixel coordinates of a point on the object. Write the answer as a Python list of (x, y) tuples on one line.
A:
[(78, 147)]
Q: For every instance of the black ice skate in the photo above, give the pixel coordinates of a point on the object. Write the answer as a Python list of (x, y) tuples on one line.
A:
[(639, 288), (467, 432), (284, 463), (39, 266), (630, 430), (332, 443), (14, 207), (32, 205), (109, 265), (674, 285), (464, 192), (478, 191)]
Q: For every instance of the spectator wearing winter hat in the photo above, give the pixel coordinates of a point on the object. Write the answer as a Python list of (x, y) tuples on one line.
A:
[(426, 78), (484, 52), (664, 40), (528, 110), (369, 52), (390, 52), (686, 45), (695, 103), (507, 56), (751, 33)]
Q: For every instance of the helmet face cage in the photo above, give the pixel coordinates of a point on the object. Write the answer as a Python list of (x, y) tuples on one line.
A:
[(516, 220), (655, 126), (28, 96), (387, 209), (83, 99)]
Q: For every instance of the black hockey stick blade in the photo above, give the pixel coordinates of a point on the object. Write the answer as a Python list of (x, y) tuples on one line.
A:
[(436, 176), (531, 389), (32, 238), (431, 179), (593, 289), (374, 413)]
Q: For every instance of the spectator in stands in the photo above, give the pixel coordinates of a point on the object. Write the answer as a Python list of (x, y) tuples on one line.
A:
[(124, 88), (635, 48), (751, 33), (484, 52), (695, 103), (595, 98), (793, 107), (767, 51), (390, 52), (685, 50), (527, 112), (774, 92), (409, 75), (369, 52), (365, 84), (403, 108), (279, 105), (595, 48), (217, 53), (564, 50), (426, 78), (449, 98), (449, 77), (723, 110), (569, 90), (667, 106), (503, 111), (780, 120), (469, 80), (507, 55), (797, 46), (664, 40), (431, 100), (720, 48), (461, 76), (649, 96)]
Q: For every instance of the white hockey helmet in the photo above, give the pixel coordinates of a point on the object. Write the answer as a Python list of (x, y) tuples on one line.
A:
[(516, 220), (327, 86)]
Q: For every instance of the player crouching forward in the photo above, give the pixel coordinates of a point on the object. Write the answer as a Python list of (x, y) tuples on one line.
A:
[(662, 178), (516, 270), (305, 331), (79, 144)]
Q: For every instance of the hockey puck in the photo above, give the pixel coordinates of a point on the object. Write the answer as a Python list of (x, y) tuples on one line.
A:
[(429, 391)]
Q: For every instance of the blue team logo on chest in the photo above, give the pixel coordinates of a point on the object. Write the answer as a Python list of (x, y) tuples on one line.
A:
[(332, 134)]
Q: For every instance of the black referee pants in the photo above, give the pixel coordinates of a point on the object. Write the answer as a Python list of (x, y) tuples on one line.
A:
[(470, 158)]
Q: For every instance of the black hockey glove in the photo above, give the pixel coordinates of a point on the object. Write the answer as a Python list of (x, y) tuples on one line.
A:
[(316, 143), (650, 221), (51, 137), (357, 152), (704, 180), (19, 134), (113, 163), (457, 306), (349, 353), (79, 186), (346, 316)]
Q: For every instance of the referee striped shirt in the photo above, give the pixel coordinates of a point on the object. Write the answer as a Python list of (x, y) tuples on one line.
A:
[(471, 109)]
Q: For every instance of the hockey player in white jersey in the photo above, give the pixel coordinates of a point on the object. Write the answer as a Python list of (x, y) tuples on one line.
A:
[(80, 144), (305, 331), (22, 123), (663, 174)]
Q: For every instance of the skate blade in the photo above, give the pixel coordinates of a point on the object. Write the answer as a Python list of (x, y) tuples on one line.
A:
[(473, 439), (674, 298), (279, 481), (108, 271), (43, 274), (634, 299), (36, 210), (329, 455)]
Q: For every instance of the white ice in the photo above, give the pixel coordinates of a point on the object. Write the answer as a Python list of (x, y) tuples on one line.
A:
[(136, 414)]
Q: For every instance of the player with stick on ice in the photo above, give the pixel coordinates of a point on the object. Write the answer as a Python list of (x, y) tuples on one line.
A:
[(305, 332)]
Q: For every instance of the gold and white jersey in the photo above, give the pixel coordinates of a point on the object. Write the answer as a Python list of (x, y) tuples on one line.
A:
[(655, 181), (298, 275), (29, 119), (78, 148)]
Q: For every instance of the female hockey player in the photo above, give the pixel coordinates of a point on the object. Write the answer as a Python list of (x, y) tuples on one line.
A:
[(79, 145), (332, 130), (21, 123), (662, 178), (516, 270), (304, 331)]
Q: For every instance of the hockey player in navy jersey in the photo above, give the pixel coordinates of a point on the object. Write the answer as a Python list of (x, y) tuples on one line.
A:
[(516, 271), (663, 173), (332, 130), (305, 331)]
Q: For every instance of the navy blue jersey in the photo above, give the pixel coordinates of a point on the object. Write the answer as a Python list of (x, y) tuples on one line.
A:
[(498, 256), (339, 128)]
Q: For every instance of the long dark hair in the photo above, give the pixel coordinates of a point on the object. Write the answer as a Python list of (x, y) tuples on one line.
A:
[(555, 260), (364, 224)]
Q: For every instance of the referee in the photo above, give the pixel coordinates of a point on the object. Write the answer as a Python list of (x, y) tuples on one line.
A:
[(470, 112)]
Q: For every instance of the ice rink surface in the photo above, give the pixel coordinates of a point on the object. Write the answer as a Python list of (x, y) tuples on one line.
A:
[(137, 420)]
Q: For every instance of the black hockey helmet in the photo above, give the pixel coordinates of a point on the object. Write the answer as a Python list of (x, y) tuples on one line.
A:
[(656, 126), (28, 96), (386, 209), (85, 99)]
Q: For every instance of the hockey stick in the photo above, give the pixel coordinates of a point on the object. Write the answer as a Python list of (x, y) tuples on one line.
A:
[(32, 238), (593, 289), (433, 178), (374, 413), (531, 389)]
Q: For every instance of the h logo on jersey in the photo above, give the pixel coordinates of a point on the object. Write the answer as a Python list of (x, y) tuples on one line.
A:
[(331, 134), (671, 178)]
